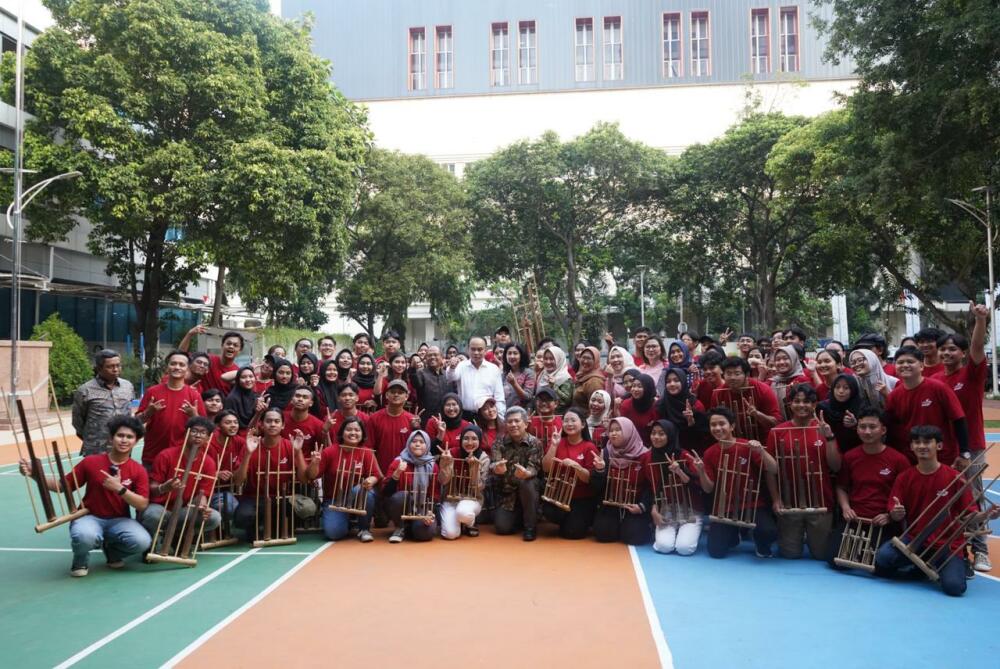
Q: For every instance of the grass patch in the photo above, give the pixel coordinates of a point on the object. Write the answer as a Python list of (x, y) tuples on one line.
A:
[(994, 424)]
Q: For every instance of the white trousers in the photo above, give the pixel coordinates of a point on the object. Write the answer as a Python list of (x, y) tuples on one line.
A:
[(681, 538), (454, 515)]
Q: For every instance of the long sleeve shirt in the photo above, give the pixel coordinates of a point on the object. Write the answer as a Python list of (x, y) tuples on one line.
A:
[(94, 404), (475, 383)]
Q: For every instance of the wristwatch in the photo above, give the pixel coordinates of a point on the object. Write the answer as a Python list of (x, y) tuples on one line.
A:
[(122, 492)]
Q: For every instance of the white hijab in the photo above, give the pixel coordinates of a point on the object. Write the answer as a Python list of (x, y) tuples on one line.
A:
[(875, 376), (561, 375), (627, 362)]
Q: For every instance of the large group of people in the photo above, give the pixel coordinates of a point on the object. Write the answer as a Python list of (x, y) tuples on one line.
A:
[(890, 442)]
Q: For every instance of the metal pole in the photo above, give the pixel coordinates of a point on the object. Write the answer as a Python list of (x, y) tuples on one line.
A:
[(15, 282), (642, 296), (993, 313)]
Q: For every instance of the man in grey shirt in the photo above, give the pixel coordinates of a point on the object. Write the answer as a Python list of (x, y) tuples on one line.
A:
[(97, 400)]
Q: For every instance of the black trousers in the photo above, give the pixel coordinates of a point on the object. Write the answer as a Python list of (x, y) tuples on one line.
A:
[(573, 524), (525, 513), (614, 524)]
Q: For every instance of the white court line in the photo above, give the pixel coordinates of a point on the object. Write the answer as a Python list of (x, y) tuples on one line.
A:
[(197, 643), (200, 553), (100, 643), (662, 649), (989, 576)]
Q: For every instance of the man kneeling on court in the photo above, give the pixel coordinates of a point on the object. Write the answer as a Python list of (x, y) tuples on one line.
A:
[(168, 477), (114, 482)]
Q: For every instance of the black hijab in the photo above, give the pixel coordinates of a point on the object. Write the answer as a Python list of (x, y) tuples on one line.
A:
[(242, 401), (673, 447), (835, 411), (280, 394), (644, 403), (343, 375), (315, 361), (365, 380), (452, 423), (672, 406), (471, 427), (328, 389)]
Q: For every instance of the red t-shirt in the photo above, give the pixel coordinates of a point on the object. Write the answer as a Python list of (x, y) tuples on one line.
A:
[(749, 478), (166, 426), (311, 427), (230, 460), (805, 480), (917, 491), (213, 377), (762, 397), (704, 391), (387, 435), (642, 419), (348, 463), (274, 467), (543, 429), (775, 384), (933, 370), (166, 467), (101, 502), (583, 453), (868, 478), (969, 385), (260, 386), (451, 437), (405, 481), (671, 494), (338, 420), (930, 403)]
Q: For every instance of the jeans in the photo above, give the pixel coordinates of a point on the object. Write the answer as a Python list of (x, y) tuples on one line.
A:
[(456, 514), (891, 563), (150, 518), (723, 537), (675, 537), (336, 524), (813, 528), (525, 513), (227, 498), (573, 524), (416, 530), (119, 537)]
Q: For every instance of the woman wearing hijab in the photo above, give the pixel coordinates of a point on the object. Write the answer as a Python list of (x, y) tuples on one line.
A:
[(414, 473), (328, 386), (364, 377), (459, 517), (555, 375), (589, 377), (685, 412), (672, 533), (345, 365), (575, 450), (598, 415), (788, 373), (242, 399), (619, 362), (678, 357), (279, 395), (841, 410), (447, 427), (874, 383), (624, 457), (640, 407), (308, 370)]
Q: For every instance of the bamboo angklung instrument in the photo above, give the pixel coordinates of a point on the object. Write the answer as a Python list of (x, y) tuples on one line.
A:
[(859, 544), (621, 488), (278, 527), (800, 477), (671, 495), (417, 504), (560, 483), (223, 535), (740, 401), (736, 491), (464, 483), (349, 494)]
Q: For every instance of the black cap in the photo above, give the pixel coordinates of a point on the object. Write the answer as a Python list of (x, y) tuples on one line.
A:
[(502, 328), (547, 391)]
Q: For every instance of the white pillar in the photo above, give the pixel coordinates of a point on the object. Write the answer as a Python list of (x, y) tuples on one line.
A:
[(912, 305), (838, 305)]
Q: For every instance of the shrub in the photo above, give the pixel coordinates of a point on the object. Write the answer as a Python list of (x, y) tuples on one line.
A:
[(69, 363)]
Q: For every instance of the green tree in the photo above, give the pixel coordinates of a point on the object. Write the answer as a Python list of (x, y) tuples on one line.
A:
[(408, 242), (205, 131), (69, 364), (550, 210)]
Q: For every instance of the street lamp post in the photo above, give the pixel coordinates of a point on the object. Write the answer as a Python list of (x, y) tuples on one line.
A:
[(642, 295), (984, 219)]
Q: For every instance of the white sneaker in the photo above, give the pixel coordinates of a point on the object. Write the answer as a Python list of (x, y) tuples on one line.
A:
[(983, 562), (365, 536), (79, 572), (397, 536)]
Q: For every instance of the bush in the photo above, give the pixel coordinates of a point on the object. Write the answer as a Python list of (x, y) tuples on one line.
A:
[(69, 363)]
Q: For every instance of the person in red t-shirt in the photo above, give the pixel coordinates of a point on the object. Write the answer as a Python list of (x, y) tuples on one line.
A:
[(749, 456), (114, 482), (865, 480), (445, 429), (672, 533), (268, 461), (170, 478), (640, 408), (927, 342), (166, 407), (711, 378), (347, 407), (226, 446), (573, 449), (222, 368), (411, 485), (921, 401), (753, 402), (348, 463), (545, 421), (965, 373), (315, 432), (804, 481), (918, 495), (213, 401), (390, 427)]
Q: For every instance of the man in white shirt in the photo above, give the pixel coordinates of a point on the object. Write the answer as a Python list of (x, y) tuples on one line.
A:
[(477, 379)]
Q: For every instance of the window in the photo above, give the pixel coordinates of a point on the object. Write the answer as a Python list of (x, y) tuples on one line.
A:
[(499, 55), (672, 46), (444, 58), (613, 65), (9, 44), (701, 54), (789, 39), (418, 56), (449, 167), (527, 53), (760, 52), (584, 49)]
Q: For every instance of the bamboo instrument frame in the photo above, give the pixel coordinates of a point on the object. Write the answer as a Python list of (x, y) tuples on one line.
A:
[(671, 496), (352, 470), (560, 483), (278, 526), (528, 316), (737, 401), (223, 535), (621, 487), (464, 483), (732, 476), (417, 505), (858, 545), (800, 480)]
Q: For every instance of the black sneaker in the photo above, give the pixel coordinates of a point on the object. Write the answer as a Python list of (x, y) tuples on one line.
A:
[(470, 531), (529, 535)]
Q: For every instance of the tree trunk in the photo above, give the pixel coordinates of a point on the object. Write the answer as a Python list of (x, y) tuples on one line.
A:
[(220, 293), (574, 316)]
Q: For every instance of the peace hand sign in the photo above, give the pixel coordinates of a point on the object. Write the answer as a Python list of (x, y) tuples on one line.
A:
[(688, 412)]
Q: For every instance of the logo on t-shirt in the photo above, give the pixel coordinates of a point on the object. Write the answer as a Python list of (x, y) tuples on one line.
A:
[(942, 493), (926, 403), (283, 461), (958, 386), (818, 443), (404, 430), (126, 482), (743, 460), (885, 471), (580, 457)]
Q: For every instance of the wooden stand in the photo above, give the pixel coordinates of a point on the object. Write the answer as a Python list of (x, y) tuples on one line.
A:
[(740, 401), (736, 492), (622, 486), (800, 476), (560, 483), (275, 517), (418, 505), (859, 544), (349, 494), (671, 495)]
